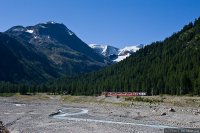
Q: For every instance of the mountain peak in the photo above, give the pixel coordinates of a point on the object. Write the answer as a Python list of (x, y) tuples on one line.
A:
[(105, 50), (114, 53), (52, 26), (41, 30), (51, 22)]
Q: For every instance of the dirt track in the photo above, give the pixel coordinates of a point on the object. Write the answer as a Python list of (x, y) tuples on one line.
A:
[(31, 114)]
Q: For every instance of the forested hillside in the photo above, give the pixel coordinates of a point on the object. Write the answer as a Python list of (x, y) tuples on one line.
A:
[(171, 67)]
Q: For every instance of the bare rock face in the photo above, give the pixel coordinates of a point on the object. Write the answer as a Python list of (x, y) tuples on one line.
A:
[(3, 128)]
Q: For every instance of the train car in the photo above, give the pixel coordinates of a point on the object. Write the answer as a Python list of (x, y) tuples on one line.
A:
[(109, 94)]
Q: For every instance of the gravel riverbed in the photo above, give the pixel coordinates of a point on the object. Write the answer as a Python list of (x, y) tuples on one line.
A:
[(31, 114)]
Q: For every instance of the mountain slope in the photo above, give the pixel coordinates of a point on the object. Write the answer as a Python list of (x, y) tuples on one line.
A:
[(171, 66), (21, 64), (65, 53)]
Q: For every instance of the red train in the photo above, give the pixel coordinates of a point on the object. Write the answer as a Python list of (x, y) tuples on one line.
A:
[(124, 93)]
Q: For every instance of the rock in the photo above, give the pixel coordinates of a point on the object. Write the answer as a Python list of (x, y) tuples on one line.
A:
[(3, 128), (138, 113), (197, 113), (155, 109), (163, 114), (171, 110), (54, 113)]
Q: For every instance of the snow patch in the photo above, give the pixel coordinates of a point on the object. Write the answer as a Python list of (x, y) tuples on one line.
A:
[(30, 31), (50, 22), (128, 49), (97, 46), (42, 26), (120, 58), (70, 33)]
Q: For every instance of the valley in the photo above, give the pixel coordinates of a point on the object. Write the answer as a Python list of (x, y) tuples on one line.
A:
[(103, 66), (99, 114)]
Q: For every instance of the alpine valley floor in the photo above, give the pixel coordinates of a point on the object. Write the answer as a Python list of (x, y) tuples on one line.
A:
[(87, 114)]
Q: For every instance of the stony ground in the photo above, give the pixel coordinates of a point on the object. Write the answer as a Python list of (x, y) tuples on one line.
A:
[(30, 114), (3, 129)]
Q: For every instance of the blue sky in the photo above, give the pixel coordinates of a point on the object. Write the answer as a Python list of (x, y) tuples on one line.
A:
[(114, 22)]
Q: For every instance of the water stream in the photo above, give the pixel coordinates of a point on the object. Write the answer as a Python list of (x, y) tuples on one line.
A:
[(68, 113)]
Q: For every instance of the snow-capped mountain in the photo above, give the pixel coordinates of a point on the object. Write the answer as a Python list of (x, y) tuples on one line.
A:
[(105, 50), (130, 49), (115, 54)]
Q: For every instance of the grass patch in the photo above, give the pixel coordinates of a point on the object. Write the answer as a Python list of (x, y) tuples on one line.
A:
[(78, 99), (143, 99), (6, 94)]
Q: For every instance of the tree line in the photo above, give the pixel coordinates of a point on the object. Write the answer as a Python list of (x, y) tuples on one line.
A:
[(170, 67)]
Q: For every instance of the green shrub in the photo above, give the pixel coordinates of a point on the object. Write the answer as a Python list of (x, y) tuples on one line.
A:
[(6, 94)]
